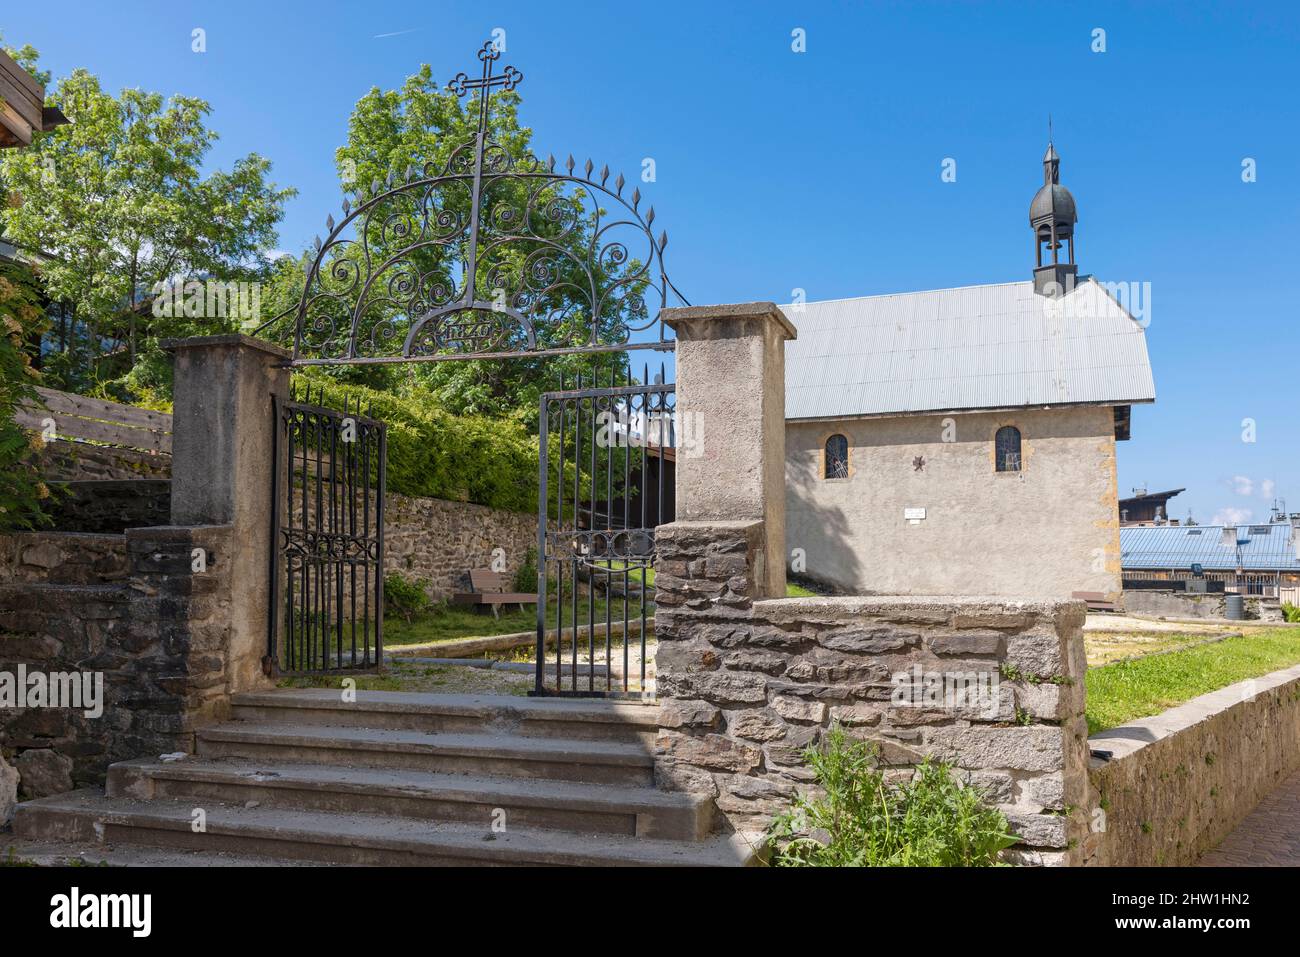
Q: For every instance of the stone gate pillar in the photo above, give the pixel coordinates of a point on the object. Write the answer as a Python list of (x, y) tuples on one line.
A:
[(223, 446), (731, 429), (748, 679)]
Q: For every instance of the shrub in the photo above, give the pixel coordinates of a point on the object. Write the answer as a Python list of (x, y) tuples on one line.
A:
[(21, 320), (526, 577), (434, 454), (857, 820), (404, 597), (1290, 612)]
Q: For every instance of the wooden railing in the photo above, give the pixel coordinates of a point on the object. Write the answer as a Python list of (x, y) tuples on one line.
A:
[(96, 420)]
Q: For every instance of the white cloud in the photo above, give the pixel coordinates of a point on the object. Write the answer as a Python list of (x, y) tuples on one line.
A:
[(1267, 488), (1231, 516), (1243, 484)]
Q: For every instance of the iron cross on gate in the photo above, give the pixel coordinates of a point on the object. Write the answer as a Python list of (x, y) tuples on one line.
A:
[(508, 80), (461, 85)]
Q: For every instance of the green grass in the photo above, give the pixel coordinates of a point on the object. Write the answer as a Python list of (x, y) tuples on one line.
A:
[(448, 622), (1127, 690), (445, 622)]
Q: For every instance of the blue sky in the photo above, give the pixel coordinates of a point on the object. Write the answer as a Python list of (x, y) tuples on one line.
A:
[(820, 170)]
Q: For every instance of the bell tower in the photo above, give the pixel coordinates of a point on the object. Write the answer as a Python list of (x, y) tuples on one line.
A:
[(1052, 217)]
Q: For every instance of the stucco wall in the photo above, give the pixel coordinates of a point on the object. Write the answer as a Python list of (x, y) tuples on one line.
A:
[(1044, 532)]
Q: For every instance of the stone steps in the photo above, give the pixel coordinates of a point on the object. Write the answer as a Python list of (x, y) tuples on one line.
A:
[(574, 719), (556, 805), (593, 762), (54, 854), (354, 838), (394, 778)]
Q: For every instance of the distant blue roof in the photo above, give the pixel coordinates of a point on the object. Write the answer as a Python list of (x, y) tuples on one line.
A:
[(1261, 547)]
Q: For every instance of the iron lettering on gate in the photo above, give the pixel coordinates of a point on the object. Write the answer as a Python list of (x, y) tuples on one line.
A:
[(327, 584), (606, 480)]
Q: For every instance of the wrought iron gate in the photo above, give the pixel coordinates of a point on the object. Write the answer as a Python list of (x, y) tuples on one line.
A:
[(606, 480), (327, 590)]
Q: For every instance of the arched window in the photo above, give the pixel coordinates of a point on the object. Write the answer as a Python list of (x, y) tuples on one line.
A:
[(836, 464), (1007, 448)]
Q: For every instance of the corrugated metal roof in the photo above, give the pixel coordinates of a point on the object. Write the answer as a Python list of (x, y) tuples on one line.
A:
[(1181, 546), (975, 347)]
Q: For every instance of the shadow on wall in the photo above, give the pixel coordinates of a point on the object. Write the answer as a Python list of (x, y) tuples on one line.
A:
[(832, 559)]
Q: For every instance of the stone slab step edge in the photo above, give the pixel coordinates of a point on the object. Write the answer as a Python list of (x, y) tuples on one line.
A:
[(555, 805), (54, 854), (353, 839), (495, 755), (529, 717)]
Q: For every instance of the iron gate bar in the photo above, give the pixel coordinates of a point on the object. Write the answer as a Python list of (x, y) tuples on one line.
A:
[(323, 542), (611, 546)]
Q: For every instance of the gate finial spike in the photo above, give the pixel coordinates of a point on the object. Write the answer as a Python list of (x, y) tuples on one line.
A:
[(329, 223), (618, 184)]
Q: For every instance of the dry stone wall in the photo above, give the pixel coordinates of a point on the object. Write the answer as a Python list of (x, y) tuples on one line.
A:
[(746, 685), (64, 461), (63, 558), (437, 542), (156, 632)]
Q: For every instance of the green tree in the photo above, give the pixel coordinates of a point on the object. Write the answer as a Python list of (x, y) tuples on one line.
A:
[(420, 126), (28, 58), (21, 321), (117, 202)]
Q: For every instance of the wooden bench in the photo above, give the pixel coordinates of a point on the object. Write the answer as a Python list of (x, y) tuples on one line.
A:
[(489, 588), (1096, 600)]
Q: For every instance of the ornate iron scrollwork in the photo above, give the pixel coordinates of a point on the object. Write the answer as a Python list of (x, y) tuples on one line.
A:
[(488, 256)]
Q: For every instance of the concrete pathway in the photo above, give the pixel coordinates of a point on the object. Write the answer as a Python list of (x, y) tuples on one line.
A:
[(1268, 837)]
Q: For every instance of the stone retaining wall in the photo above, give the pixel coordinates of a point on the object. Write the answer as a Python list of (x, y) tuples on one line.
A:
[(62, 558), (64, 461), (111, 506), (438, 541), (746, 685), (1177, 604), (1176, 784), (160, 638)]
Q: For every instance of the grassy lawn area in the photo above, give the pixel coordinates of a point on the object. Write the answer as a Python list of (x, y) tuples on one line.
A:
[(1104, 648), (1127, 690), (446, 622)]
